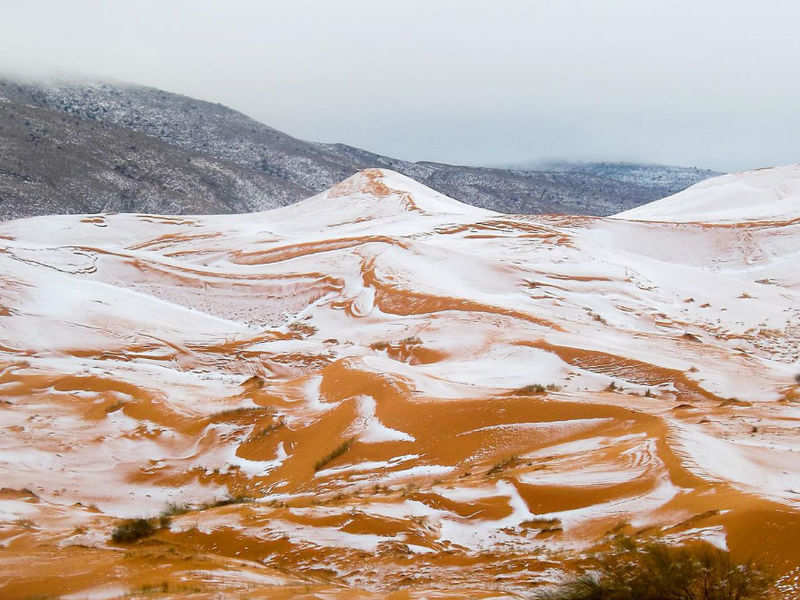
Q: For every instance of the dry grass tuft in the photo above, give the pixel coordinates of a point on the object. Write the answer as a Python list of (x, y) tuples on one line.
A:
[(335, 453)]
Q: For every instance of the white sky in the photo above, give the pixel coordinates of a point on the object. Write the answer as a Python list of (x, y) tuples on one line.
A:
[(711, 83)]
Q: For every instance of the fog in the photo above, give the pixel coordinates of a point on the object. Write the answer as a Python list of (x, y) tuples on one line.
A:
[(711, 84)]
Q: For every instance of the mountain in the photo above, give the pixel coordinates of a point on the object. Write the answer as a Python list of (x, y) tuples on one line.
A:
[(667, 180), (381, 391), (95, 147)]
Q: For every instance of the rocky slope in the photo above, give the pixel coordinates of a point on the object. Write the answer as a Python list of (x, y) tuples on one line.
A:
[(53, 163), (71, 148), (383, 392), (669, 180)]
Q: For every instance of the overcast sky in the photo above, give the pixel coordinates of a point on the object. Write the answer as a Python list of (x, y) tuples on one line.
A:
[(708, 83)]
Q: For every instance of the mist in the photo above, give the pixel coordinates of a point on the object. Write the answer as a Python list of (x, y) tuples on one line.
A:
[(709, 84)]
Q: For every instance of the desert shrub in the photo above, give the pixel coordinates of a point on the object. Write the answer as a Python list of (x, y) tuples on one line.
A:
[(534, 388), (155, 588), (502, 465), (175, 509), (538, 388), (335, 453), (248, 412), (266, 431), (385, 345), (131, 530), (658, 571), (227, 501)]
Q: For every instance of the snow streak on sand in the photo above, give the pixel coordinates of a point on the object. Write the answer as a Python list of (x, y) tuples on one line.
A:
[(381, 387)]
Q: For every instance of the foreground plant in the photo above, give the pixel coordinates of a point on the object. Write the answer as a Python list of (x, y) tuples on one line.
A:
[(658, 571)]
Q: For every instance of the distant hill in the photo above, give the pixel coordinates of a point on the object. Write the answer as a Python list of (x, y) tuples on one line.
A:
[(92, 147), (667, 179)]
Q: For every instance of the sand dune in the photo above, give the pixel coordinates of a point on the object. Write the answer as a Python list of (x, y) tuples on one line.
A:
[(382, 390)]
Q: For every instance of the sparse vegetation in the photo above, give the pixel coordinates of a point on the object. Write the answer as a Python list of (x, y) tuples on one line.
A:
[(537, 388), (502, 465), (238, 499), (658, 571), (251, 412), (266, 431), (335, 453), (534, 388), (543, 524), (131, 530), (155, 588), (174, 509), (382, 345)]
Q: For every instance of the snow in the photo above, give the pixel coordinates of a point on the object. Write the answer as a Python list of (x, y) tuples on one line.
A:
[(771, 472), (762, 195), (316, 535), (382, 280), (560, 428), (101, 592), (368, 428), (230, 577)]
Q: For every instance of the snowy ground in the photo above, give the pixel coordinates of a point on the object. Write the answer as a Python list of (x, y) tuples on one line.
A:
[(387, 371)]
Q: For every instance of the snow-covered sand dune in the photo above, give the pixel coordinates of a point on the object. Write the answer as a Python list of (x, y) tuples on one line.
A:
[(759, 195), (404, 385)]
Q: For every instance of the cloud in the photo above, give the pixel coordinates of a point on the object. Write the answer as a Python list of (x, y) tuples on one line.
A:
[(709, 83)]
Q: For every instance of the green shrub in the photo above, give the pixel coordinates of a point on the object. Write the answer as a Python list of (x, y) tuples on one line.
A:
[(534, 388), (658, 571), (131, 530)]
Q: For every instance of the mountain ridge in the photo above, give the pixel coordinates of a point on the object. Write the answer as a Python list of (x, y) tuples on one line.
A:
[(229, 161)]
